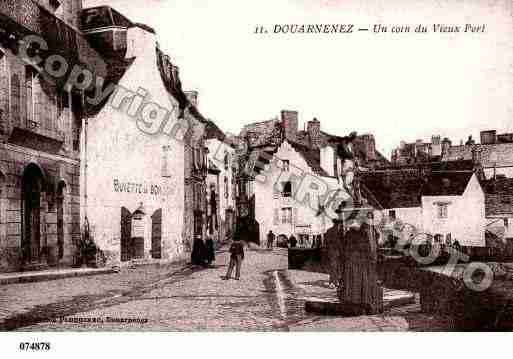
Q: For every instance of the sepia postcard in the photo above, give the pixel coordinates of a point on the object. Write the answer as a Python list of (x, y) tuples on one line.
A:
[(254, 166)]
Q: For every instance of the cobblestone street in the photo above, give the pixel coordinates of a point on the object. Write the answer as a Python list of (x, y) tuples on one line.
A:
[(184, 298), (169, 297)]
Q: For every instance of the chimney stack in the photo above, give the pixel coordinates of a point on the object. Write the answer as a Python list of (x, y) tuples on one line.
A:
[(314, 132), (488, 137), (289, 123), (446, 145), (140, 39)]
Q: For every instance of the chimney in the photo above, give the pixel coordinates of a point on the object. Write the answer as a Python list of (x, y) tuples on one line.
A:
[(476, 156), (192, 96), (436, 146), (314, 132), (289, 123), (140, 39), (369, 146), (446, 145), (488, 137)]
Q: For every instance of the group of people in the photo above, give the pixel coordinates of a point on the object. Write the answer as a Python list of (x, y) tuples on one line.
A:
[(203, 254), (292, 242)]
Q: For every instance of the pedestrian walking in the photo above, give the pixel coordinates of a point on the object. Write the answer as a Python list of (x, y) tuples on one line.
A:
[(210, 250), (236, 258), (270, 239)]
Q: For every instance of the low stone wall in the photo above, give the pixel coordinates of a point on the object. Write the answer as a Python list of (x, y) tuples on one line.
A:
[(309, 259)]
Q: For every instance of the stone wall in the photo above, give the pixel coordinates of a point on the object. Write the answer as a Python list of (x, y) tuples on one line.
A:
[(13, 161)]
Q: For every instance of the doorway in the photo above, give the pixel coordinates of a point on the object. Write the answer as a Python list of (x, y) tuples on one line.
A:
[(31, 199)]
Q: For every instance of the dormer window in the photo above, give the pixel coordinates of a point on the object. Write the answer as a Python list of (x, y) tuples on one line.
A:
[(55, 6)]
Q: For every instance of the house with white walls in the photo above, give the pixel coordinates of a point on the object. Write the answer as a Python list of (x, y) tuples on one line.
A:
[(281, 203), (221, 184), (132, 169), (446, 205), (453, 208)]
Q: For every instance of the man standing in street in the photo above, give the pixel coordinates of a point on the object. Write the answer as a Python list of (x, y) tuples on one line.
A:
[(270, 240), (236, 258)]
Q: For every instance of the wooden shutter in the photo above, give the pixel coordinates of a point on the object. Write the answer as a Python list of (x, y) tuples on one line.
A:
[(156, 234), (294, 215), (276, 216), (126, 230)]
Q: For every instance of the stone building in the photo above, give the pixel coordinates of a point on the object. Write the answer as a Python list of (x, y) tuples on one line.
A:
[(310, 151), (132, 168), (195, 174), (429, 199), (40, 124), (221, 156)]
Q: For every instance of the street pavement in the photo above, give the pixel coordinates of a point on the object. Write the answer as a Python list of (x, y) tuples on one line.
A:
[(178, 297)]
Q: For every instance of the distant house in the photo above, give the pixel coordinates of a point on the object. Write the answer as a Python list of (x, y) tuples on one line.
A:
[(453, 208), (276, 206), (499, 207), (444, 201)]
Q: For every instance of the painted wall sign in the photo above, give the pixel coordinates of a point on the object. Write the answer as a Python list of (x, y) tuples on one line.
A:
[(137, 227), (137, 188)]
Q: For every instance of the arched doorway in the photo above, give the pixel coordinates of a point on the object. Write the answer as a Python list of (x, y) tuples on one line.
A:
[(32, 187)]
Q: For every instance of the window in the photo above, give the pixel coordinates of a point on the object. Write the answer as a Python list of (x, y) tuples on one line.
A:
[(391, 215), (506, 222), (226, 187), (55, 4), (443, 210), (286, 215), (286, 165), (287, 189)]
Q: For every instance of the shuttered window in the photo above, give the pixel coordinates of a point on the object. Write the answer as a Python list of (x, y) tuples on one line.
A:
[(276, 220)]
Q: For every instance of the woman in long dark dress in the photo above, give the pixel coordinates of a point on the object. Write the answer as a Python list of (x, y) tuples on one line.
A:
[(359, 278), (210, 251), (198, 256)]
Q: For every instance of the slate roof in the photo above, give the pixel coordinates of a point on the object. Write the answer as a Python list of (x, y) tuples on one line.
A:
[(403, 186), (312, 157), (498, 196), (394, 189), (446, 184), (213, 131)]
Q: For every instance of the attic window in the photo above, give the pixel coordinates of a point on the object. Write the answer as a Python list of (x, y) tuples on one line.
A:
[(55, 4)]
